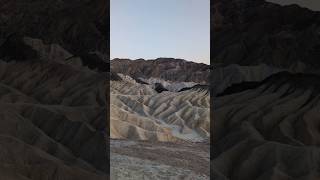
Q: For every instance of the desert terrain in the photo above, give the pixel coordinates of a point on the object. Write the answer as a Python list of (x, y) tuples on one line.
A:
[(52, 90), (265, 94), (159, 124)]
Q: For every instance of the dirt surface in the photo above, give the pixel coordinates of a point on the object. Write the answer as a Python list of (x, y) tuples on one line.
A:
[(180, 160)]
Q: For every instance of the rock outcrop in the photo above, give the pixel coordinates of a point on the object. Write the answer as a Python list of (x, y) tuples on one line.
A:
[(139, 112), (168, 69)]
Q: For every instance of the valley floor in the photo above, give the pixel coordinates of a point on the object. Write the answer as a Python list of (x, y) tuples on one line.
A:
[(132, 160)]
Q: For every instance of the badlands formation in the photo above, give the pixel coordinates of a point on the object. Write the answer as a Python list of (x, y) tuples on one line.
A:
[(52, 116), (139, 112), (52, 90), (268, 131), (265, 121), (159, 134)]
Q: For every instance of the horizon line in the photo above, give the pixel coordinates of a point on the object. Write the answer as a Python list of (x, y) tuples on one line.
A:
[(201, 62)]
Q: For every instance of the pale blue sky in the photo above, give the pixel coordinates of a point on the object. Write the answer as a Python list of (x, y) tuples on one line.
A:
[(160, 28)]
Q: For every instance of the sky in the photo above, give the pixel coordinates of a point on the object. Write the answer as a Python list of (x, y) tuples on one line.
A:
[(151, 29), (311, 4)]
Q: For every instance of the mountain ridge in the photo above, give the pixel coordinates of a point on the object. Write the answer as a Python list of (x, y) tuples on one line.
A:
[(165, 68)]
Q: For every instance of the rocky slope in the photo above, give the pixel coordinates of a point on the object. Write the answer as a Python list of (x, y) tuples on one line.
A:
[(253, 32), (270, 131), (168, 69), (52, 91), (265, 114), (53, 114), (79, 26), (158, 133), (223, 77), (254, 39), (139, 112), (168, 85)]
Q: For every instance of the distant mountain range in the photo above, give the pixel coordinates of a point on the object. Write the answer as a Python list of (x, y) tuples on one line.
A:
[(169, 69)]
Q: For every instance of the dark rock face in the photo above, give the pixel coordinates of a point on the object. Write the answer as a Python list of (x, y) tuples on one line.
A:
[(164, 68), (196, 87), (140, 81), (239, 87), (95, 61), (114, 77), (159, 87), (251, 32), (14, 48), (223, 77)]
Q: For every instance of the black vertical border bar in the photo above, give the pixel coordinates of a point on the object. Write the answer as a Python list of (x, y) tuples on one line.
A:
[(107, 91), (211, 89)]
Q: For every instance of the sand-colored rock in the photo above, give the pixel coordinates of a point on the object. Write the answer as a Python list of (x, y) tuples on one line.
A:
[(139, 112)]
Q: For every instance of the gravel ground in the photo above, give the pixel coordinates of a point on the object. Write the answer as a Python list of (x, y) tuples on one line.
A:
[(132, 160)]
